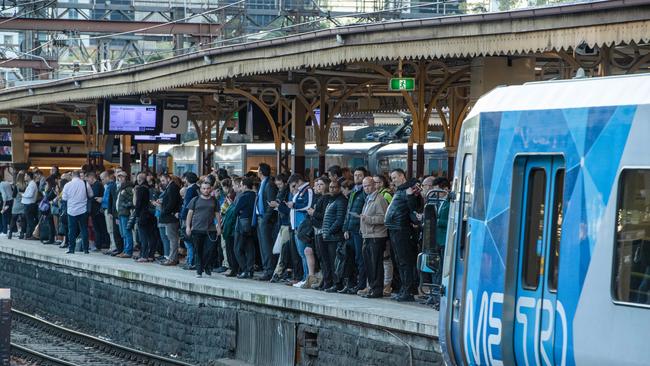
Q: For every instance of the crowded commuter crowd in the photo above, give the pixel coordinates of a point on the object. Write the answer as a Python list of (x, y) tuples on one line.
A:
[(348, 231)]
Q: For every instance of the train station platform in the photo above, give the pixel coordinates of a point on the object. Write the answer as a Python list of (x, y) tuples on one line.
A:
[(413, 321)]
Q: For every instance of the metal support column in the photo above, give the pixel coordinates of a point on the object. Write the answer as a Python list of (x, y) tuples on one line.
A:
[(125, 160), (299, 114)]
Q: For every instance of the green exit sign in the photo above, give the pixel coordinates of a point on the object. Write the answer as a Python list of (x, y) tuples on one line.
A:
[(402, 84), (78, 122), (235, 115)]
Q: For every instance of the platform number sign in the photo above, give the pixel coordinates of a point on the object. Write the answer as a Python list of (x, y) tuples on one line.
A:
[(175, 117), (398, 84)]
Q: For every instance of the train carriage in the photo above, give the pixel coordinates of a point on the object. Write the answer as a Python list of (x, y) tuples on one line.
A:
[(548, 248)]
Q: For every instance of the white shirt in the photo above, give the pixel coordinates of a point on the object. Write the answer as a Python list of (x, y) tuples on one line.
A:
[(29, 196), (76, 193)]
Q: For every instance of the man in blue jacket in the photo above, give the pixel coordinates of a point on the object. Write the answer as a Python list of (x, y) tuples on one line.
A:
[(265, 218), (301, 201)]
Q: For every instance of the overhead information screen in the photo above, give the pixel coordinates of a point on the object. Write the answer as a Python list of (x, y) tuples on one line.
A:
[(132, 118), (168, 138)]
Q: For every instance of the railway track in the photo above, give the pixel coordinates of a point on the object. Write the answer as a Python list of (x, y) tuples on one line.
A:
[(44, 343)]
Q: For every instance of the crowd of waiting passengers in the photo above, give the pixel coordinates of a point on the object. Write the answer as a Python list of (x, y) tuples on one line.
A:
[(348, 231)]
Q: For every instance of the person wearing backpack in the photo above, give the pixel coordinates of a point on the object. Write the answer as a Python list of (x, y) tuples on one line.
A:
[(204, 226)]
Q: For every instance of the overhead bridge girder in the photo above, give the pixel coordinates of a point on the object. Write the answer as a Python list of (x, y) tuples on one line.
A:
[(109, 26)]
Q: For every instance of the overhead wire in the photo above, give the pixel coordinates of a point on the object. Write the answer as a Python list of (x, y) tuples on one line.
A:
[(18, 16), (325, 18), (328, 17), (128, 32)]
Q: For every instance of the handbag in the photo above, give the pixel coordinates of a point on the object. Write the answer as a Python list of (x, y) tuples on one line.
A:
[(305, 231), (37, 231), (44, 205)]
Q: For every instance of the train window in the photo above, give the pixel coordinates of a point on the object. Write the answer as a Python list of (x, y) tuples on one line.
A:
[(556, 230), (631, 267), (468, 189), (534, 227)]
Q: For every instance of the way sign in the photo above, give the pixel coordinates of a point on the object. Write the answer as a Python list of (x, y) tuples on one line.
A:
[(78, 122), (174, 117), (407, 84)]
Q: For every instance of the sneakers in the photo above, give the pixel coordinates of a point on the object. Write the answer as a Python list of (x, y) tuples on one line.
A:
[(388, 290), (311, 280), (299, 284), (363, 292)]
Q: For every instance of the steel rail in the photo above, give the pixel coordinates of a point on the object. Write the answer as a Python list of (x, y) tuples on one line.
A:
[(31, 355), (103, 345)]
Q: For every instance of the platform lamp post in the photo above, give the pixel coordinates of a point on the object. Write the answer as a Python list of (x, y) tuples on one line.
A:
[(5, 326)]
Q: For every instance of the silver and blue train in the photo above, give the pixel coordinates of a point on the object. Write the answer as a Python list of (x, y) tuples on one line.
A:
[(240, 158), (548, 246)]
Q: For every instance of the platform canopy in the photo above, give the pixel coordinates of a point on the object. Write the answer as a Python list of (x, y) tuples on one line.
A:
[(537, 32)]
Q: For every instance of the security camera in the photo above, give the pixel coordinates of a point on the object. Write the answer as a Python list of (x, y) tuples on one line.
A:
[(145, 100)]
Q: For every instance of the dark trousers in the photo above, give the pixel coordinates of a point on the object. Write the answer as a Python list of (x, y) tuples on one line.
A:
[(117, 234), (264, 230), (78, 225), (13, 224), (203, 248), (147, 236), (406, 256), (102, 240), (216, 254), (343, 266), (328, 256), (230, 253), (31, 216), (296, 261), (357, 241), (373, 255), (48, 220), (6, 216), (245, 251)]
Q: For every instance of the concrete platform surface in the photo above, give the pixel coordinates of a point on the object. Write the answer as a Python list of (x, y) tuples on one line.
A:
[(383, 313)]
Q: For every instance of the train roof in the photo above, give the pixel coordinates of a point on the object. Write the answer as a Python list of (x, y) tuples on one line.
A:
[(567, 94), (400, 147)]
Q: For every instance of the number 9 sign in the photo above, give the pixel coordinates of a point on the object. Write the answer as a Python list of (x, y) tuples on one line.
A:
[(175, 117), (175, 121)]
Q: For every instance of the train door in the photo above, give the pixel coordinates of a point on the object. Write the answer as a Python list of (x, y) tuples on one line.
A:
[(537, 273), (461, 242)]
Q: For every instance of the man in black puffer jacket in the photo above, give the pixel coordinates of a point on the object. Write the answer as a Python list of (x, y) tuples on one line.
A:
[(332, 231), (400, 218), (352, 230)]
